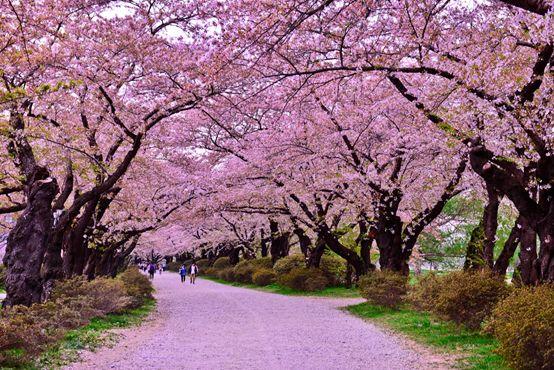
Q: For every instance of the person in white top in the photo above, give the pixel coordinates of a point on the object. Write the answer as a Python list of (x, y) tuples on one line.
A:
[(193, 272)]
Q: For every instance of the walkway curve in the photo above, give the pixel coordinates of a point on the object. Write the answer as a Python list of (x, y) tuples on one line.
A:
[(216, 326)]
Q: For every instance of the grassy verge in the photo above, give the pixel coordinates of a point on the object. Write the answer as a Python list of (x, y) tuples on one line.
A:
[(474, 350), (89, 337), (334, 292)]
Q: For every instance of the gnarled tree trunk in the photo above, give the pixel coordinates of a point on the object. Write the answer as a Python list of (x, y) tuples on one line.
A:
[(28, 240)]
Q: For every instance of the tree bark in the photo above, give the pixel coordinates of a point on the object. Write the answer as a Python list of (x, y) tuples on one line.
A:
[(503, 260), (315, 253), (27, 241), (279, 246), (527, 271)]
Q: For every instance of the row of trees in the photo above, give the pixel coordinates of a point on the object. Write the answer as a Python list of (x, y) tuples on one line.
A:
[(224, 126), (374, 115)]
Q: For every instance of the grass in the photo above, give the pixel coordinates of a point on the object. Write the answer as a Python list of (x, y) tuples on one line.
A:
[(472, 349), (89, 337), (334, 292)]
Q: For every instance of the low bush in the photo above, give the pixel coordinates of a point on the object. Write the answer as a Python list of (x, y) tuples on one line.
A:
[(304, 279), (227, 274), (523, 323), (222, 262), (261, 263), (174, 266), (246, 268), (202, 264), (463, 297), (210, 271), (104, 295), (384, 288), (334, 269), (244, 271), (27, 331), (137, 287), (263, 277), (287, 264)]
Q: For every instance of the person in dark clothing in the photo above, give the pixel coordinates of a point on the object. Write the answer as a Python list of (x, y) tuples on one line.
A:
[(151, 270), (183, 273)]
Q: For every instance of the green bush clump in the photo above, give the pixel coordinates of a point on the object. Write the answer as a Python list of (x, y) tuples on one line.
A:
[(137, 287), (105, 295), (227, 274), (244, 271), (27, 331), (286, 264), (222, 262), (246, 268), (263, 277), (202, 264), (463, 297), (384, 288), (304, 279), (523, 323), (261, 263), (211, 271), (334, 269)]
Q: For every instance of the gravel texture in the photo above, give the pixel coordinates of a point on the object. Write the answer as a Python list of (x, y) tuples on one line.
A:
[(215, 326)]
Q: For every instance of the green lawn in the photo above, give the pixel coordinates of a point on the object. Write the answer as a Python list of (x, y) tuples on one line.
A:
[(474, 350), (336, 292), (89, 337)]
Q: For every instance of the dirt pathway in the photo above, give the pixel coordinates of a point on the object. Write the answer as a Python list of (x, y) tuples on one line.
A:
[(215, 326)]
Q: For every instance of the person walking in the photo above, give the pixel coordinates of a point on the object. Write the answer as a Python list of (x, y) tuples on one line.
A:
[(160, 268), (193, 272), (151, 270), (183, 273)]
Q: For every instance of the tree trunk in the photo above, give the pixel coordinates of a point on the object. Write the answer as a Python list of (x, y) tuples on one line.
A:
[(234, 256), (545, 262), (27, 241), (490, 224), (389, 242), (527, 272), (364, 240), (280, 246), (315, 253), (474, 253), (303, 240), (263, 243), (503, 260)]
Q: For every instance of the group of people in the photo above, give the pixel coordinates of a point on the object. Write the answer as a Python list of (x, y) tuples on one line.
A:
[(192, 271), (151, 268)]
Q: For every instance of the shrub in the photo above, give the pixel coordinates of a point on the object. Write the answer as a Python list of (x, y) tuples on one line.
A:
[(211, 271), (286, 264), (261, 263), (304, 279), (263, 277), (106, 295), (174, 266), (222, 262), (523, 324), (202, 264), (26, 331), (334, 269), (384, 288), (463, 297), (244, 271), (227, 274), (137, 286)]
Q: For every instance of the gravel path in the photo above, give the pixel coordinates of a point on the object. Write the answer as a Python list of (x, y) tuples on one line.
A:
[(215, 326)]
